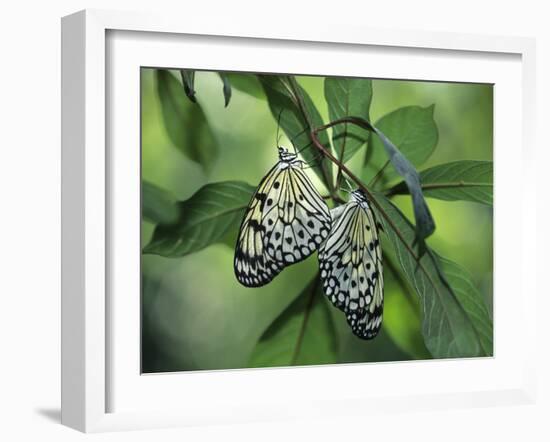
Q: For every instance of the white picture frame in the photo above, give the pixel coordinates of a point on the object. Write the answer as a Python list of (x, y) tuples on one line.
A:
[(93, 42)]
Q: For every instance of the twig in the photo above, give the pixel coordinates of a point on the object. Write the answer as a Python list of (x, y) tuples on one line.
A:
[(365, 124), (351, 175), (354, 120)]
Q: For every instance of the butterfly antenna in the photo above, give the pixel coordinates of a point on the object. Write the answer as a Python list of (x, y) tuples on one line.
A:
[(278, 126), (317, 157), (294, 138), (315, 166), (315, 161), (303, 148), (349, 185)]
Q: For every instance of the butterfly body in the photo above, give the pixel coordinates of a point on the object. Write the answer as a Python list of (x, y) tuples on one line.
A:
[(285, 222), (351, 265)]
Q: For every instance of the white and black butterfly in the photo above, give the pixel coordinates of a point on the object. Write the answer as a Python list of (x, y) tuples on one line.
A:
[(350, 262), (285, 222)]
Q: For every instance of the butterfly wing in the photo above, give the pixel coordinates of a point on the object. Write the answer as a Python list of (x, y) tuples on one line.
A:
[(351, 268), (253, 267), (285, 222)]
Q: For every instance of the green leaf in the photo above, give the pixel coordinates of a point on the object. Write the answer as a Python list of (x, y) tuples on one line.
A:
[(425, 224), (247, 83), (381, 349), (158, 205), (188, 80), (412, 130), (459, 180), (402, 316), (297, 122), (472, 301), (185, 122), (226, 87), (348, 97), (303, 334), (206, 218), (446, 327)]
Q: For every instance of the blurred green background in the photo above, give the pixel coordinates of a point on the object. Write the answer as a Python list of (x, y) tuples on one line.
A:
[(195, 315)]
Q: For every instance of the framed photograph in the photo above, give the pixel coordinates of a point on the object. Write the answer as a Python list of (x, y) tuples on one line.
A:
[(257, 221)]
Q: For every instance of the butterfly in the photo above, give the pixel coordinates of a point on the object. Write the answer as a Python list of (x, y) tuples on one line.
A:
[(284, 223), (350, 262)]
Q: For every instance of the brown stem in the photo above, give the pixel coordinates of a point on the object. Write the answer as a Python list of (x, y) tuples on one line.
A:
[(351, 175), (366, 125), (353, 120)]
